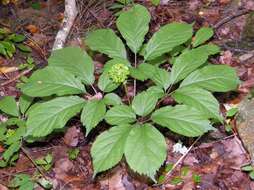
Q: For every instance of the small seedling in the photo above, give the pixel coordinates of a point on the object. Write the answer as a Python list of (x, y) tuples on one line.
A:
[(250, 170), (196, 178), (45, 162), (73, 153)]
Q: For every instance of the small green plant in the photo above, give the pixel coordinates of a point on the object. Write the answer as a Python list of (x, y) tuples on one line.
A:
[(250, 170), (134, 134), (22, 182), (13, 130), (45, 162), (9, 42), (73, 153)]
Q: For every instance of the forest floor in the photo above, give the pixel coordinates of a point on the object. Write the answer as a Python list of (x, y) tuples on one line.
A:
[(216, 158)]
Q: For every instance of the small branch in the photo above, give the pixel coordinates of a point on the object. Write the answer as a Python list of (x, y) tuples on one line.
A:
[(32, 161), (231, 17), (15, 78), (70, 14), (179, 161)]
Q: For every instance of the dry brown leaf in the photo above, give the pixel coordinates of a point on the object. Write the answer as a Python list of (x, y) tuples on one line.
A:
[(32, 28), (4, 70)]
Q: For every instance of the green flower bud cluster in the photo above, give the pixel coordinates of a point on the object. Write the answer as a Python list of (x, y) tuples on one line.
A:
[(119, 73)]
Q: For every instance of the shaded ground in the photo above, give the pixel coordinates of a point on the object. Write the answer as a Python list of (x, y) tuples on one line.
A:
[(217, 157)]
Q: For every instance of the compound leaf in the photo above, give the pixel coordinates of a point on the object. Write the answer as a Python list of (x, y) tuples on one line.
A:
[(93, 112), (54, 114), (52, 80), (74, 60), (215, 78), (107, 42), (145, 150), (134, 32), (168, 37), (108, 148), (120, 114), (182, 119)]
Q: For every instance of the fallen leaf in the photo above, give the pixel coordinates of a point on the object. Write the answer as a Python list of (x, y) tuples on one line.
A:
[(32, 28), (71, 137), (4, 70)]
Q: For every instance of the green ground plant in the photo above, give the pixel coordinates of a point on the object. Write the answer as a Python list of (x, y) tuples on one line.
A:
[(67, 86)]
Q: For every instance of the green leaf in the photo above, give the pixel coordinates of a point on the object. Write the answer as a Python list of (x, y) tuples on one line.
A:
[(144, 103), (134, 32), (200, 99), (22, 182), (119, 115), (186, 63), (161, 78), (11, 150), (247, 168), (9, 46), (251, 174), (158, 91), (54, 114), (215, 78), (17, 136), (73, 153), (93, 112), (105, 84), (155, 2), (76, 61), (168, 37), (112, 99), (52, 80), (18, 38), (145, 150), (115, 61), (143, 72), (211, 49), (8, 105), (182, 119), (232, 112), (24, 48), (24, 102), (202, 35), (108, 148), (107, 42)]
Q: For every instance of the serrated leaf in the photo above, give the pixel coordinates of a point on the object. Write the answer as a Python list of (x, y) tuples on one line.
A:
[(134, 32), (8, 105), (52, 80), (145, 150), (120, 114), (108, 148), (215, 78), (144, 103), (168, 37), (200, 99), (24, 102), (93, 112), (161, 78), (76, 61), (105, 84), (186, 63), (158, 91), (54, 114), (112, 99), (107, 42), (143, 72), (202, 35), (182, 119)]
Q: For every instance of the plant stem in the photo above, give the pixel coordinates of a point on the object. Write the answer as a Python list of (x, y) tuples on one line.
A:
[(135, 82), (126, 92), (95, 91)]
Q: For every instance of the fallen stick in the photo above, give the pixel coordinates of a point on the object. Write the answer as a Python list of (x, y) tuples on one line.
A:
[(70, 14)]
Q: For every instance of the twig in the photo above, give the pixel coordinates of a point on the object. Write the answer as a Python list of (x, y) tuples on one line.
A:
[(179, 161), (16, 77), (231, 17), (31, 159), (70, 14)]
